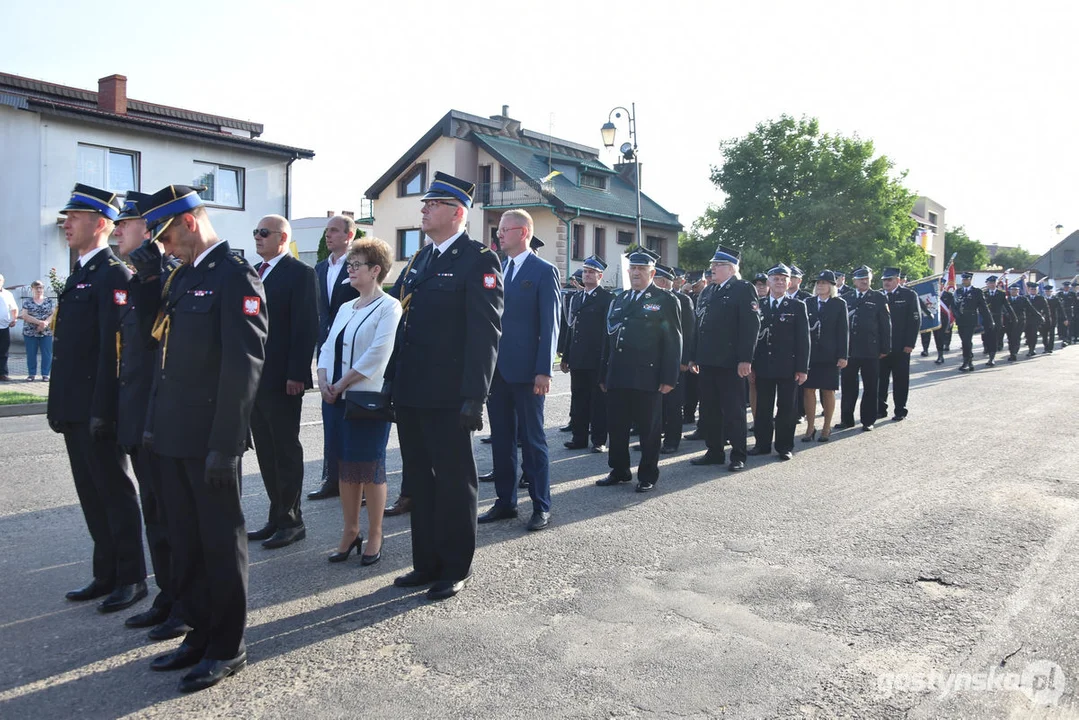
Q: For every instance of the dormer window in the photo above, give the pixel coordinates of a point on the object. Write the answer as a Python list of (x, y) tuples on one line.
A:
[(591, 180)]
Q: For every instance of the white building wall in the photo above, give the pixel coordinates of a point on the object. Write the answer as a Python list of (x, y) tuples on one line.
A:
[(22, 244)]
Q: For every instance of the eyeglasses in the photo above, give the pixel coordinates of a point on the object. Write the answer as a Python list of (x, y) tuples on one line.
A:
[(264, 233), (431, 203), (358, 265), (503, 231)]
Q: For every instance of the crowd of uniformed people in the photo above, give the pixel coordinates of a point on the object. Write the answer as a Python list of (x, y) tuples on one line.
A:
[(173, 364)]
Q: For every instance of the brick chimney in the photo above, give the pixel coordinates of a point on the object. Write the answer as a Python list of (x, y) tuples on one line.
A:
[(112, 94), (330, 213)]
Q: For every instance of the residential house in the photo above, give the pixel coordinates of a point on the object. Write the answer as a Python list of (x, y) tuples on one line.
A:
[(1061, 262), (929, 214)]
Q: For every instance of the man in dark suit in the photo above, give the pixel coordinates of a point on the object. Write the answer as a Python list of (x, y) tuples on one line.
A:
[(211, 335), (1021, 310), (674, 401), (640, 366), (870, 340), (441, 370), (1037, 319), (905, 311), (996, 299), (83, 399), (582, 355), (1056, 317), (969, 304), (275, 419), (334, 290), (780, 364), (522, 376)]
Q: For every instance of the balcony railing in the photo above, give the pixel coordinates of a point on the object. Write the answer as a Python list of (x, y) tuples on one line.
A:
[(366, 214), (501, 194)]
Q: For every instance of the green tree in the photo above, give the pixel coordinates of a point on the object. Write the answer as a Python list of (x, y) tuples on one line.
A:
[(818, 200), (971, 254), (1015, 258)]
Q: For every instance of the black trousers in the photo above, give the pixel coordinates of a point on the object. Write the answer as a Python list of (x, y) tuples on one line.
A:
[(275, 428), (1048, 336), (966, 337), (587, 407), (1015, 338), (992, 340), (689, 405), (641, 409), (209, 572), (673, 405), (938, 340), (776, 413), (1032, 335), (147, 468), (107, 496), (437, 461), (723, 411), (867, 369), (5, 347), (894, 367), (1062, 329)]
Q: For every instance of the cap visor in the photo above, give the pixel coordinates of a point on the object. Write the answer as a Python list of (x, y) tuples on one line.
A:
[(155, 234)]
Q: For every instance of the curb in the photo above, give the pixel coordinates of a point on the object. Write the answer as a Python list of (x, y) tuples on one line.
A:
[(26, 409)]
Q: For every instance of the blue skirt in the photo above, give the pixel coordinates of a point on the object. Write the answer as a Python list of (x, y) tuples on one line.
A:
[(360, 443)]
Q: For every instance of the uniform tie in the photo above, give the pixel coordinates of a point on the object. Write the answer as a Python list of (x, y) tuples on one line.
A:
[(435, 254)]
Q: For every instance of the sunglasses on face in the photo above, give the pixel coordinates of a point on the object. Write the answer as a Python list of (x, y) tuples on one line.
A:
[(264, 233)]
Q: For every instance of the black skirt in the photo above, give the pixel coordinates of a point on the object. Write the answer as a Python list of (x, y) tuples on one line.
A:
[(823, 376)]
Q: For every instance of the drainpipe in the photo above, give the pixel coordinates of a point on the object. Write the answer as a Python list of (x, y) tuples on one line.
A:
[(288, 188), (569, 237)]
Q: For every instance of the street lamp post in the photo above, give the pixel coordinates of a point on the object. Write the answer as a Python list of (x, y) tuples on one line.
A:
[(628, 150)]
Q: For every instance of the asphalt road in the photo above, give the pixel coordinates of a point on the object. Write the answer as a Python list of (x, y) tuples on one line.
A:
[(941, 552)]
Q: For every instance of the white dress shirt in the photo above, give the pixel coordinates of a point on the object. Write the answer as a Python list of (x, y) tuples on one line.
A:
[(333, 272), (272, 262)]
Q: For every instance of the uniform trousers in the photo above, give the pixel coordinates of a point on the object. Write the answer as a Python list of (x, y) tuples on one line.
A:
[(1032, 334), (938, 340), (209, 555), (868, 370), (894, 367), (966, 337), (147, 468), (438, 464), (516, 413), (775, 396), (643, 410), (587, 408), (107, 496), (689, 405), (1048, 336), (1062, 329), (673, 406), (723, 411), (275, 428), (1015, 338)]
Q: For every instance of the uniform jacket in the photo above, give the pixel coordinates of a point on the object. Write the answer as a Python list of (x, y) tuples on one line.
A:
[(1041, 307), (905, 310), (586, 330), (1023, 310), (845, 292), (447, 340), (136, 359), (870, 325), (999, 307), (530, 314), (727, 324), (969, 301), (290, 301), (783, 343), (563, 321), (828, 331), (208, 366), (644, 343), (689, 326), (1055, 309), (329, 305), (84, 371)]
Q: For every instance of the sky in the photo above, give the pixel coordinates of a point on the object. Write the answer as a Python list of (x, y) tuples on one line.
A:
[(975, 101)]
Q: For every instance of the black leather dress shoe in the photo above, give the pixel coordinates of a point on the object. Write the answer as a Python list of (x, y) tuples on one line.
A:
[(539, 521), (667, 450), (328, 490), (263, 533), (695, 435), (95, 589), (123, 597), (843, 426), (171, 628), (614, 479), (784, 456), (487, 477), (524, 482), (565, 428), (899, 418), (708, 459), (991, 363), (413, 579), (210, 672), (736, 465), (867, 428), (497, 513), (444, 589), (759, 451), (574, 445), (149, 618), (285, 536), (402, 505), (182, 657), (643, 487), (599, 448)]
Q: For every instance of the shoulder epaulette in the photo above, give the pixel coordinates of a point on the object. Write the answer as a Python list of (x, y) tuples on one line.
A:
[(113, 262), (236, 256)]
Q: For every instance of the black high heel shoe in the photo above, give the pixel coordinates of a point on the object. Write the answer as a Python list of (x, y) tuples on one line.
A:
[(372, 559), (810, 436), (342, 556)]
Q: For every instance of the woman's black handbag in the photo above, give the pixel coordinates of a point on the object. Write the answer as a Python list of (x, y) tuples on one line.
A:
[(368, 405)]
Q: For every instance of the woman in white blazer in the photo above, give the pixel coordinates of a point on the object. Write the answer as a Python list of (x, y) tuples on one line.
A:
[(354, 357)]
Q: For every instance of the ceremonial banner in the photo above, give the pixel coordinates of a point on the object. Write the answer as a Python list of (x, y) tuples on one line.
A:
[(928, 290)]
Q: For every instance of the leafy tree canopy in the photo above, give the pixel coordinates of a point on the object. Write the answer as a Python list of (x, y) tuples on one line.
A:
[(1015, 258), (972, 255)]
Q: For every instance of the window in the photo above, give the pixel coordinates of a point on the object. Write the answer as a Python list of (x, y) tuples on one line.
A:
[(506, 178), (599, 243), (102, 167), (625, 237), (414, 182), (933, 219), (224, 184), (655, 244), (485, 185), (593, 181), (578, 241), (408, 242)]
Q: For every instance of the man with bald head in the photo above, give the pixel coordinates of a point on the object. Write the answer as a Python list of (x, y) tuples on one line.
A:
[(275, 420)]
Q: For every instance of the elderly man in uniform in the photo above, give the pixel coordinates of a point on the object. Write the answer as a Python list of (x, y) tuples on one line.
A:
[(727, 325), (780, 365), (441, 372), (212, 336), (582, 356), (640, 366), (904, 307), (84, 398), (969, 302), (870, 340), (674, 400)]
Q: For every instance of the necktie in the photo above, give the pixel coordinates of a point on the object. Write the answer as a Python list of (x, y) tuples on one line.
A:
[(513, 269), (435, 254), (775, 303), (263, 267)]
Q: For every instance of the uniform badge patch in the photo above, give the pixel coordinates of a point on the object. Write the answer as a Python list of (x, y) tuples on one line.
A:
[(490, 281), (119, 297), (252, 305)]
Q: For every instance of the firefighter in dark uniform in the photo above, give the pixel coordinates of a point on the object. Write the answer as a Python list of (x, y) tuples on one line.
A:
[(211, 335), (135, 377), (582, 356), (1036, 319), (728, 321), (780, 365), (870, 340), (842, 288), (969, 302), (1067, 299), (674, 400), (904, 307), (1017, 320), (83, 400), (1056, 324), (441, 371), (691, 289), (996, 299), (640, 366)]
